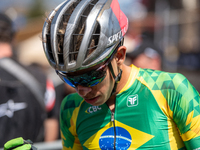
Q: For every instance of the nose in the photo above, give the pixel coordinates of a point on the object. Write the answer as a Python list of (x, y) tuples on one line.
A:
[(83, 91)]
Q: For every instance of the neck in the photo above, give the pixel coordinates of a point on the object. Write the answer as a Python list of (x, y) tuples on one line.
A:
[(111, 102), (124, 78)]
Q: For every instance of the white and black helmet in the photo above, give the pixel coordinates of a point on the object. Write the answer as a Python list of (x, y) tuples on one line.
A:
[(80, 34)]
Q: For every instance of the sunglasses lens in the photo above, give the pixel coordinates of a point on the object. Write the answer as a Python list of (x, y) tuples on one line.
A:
[(68, 82), (95, 81), (65, 79), (89, 79)]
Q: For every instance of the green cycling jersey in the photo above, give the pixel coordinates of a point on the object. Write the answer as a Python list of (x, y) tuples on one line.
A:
[(154, 110)]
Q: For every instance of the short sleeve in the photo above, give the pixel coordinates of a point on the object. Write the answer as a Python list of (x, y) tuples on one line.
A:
[(184, 101)]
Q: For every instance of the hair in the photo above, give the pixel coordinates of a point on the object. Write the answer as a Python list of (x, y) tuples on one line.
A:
[(6, 29)]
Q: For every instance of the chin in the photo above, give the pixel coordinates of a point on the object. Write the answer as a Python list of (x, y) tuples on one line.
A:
[(100, 102)]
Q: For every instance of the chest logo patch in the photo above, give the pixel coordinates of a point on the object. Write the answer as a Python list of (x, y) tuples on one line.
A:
[(132, 100), (93, 109)]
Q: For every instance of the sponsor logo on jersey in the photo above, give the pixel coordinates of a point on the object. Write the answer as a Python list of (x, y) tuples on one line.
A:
[(132, 100), (92, 109)]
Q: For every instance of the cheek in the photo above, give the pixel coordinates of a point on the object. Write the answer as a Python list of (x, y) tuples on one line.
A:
[(107, 85), (104, 88)]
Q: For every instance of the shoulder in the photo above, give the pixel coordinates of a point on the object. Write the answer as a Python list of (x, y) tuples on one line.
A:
[(163, 80), (71, 101), (175, 87)]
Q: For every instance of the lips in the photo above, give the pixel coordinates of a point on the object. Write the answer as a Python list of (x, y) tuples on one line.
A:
[(92, 100)]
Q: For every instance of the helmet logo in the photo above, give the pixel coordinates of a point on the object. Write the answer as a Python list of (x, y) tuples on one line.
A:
[(116, 37)]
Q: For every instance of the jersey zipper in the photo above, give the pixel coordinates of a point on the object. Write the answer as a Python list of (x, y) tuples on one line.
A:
[(113, 121)]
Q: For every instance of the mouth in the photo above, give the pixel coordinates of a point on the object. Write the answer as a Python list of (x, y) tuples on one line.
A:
[(92, 100)]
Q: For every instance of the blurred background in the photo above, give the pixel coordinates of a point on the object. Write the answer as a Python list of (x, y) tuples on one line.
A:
[(172, 25)]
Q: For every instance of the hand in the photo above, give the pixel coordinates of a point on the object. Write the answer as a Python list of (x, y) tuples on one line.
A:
[(19, 144)]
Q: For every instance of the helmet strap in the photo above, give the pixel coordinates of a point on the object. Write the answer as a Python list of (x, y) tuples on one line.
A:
[(116, 78)]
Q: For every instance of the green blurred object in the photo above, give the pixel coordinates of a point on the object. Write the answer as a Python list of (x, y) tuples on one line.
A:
[(19, 144)]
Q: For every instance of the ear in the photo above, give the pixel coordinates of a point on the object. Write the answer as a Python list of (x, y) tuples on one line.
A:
[(120, 55)]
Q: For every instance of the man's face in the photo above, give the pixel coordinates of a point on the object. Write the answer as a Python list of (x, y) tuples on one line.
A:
[(98, 94), (101, 93)]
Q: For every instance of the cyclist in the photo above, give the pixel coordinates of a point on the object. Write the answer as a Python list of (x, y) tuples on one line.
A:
[(116, 106)]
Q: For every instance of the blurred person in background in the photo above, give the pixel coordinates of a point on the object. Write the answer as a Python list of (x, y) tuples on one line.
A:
[(141, 50), (136, 13), (27, 96), (145, 55)]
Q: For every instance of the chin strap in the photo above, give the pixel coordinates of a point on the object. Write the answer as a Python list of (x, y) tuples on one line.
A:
[(116, 78)]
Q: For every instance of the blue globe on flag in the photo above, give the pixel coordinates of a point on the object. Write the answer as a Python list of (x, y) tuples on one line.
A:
[(107, 139)]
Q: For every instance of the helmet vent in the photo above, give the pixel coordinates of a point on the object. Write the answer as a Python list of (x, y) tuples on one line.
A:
[(62, 28), (94, 40), (49, 47), (79, 32), (48, 39)]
